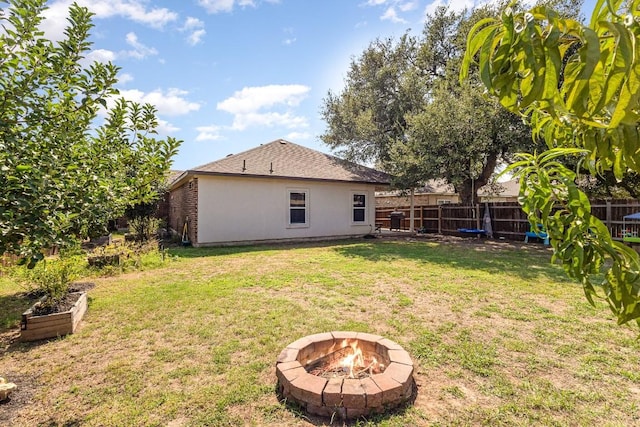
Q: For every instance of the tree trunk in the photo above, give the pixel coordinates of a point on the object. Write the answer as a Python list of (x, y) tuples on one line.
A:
[(468, 191), (465, 192)]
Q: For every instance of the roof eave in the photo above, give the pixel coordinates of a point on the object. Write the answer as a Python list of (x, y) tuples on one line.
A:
[(183, 177), (179, 179)]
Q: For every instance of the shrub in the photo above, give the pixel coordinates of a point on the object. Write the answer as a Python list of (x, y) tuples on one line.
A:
[(144, 229), (127, 256), (50, 278)]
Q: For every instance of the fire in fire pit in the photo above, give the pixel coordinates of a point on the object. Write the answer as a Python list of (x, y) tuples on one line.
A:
[(348, 374), (349, 361)]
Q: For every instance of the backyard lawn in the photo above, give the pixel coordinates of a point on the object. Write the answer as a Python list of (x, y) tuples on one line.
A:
[(497, 334)]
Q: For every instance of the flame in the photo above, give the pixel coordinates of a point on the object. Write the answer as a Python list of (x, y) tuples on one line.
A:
[(353, 360), (356, 361)]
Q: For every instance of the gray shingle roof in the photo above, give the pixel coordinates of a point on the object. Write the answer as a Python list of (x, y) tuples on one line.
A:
[(173, 175), (284, 159), (509, 188)]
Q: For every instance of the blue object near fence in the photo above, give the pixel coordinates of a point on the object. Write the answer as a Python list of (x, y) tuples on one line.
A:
[(540, 233), (478, 232), (630, 229)]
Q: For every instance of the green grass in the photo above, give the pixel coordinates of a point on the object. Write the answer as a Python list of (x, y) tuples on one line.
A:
[(499, 337)]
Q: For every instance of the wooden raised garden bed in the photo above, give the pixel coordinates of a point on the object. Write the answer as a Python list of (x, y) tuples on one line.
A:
[(34, 327)]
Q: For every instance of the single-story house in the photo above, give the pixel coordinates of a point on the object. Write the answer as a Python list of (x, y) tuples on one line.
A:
[(275, 192), (500, 192), (434, 192), (439, 192)]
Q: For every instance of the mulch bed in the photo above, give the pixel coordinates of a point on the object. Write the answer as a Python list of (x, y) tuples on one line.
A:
[(27, 385), (65, 303), (21, 397)]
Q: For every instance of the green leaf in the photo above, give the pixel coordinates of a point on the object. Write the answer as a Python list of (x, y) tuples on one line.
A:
[(477, 36), (578, 86), (485, 57)]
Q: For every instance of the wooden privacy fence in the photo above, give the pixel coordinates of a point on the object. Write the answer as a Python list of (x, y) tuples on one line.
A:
[(508, 221)]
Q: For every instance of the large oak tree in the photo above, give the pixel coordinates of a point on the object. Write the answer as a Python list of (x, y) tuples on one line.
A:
[(404, 109)]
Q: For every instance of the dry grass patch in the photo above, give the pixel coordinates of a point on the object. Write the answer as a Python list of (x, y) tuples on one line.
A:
[(498, 335)]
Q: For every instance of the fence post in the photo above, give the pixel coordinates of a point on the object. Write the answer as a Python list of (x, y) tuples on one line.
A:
[(510, 221), (412, 212)]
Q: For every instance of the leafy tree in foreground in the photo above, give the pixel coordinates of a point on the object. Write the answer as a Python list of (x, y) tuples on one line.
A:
[(61, 175), (580, 88), (604, 184)]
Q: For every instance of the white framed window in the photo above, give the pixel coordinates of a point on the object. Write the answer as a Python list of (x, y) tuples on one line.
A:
[(359, 206), (443, 202), (298, 208)]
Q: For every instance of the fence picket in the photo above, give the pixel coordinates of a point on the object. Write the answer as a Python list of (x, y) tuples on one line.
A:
[(507, 219)]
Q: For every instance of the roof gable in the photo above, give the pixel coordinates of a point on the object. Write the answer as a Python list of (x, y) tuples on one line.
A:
[(284, 159)]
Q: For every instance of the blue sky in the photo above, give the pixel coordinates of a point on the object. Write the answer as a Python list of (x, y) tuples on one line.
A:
[(228, 75)]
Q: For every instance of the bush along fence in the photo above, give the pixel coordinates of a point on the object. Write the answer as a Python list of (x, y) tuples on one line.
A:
[(508, 221)]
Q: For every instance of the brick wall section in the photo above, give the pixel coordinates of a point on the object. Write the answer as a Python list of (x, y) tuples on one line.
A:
[(183, 204), (162, 211)]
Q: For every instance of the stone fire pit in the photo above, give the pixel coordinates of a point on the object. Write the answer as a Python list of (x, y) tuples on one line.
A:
[(307, 375)]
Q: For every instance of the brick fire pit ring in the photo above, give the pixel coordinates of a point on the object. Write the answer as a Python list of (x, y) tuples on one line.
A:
[(346, 398)]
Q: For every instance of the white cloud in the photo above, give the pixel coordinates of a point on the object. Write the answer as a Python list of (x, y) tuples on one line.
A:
[(195, 28), (251, 99), (391, 15), (140, 51), (55, 20), (192, 23), (454, 5), (124, 78), (247, 104), (270, 119), (100, 55), (392, 7), (170, 103), (196, 37), (166, 128), (133, 10), (408, 6), (289, 42), (432, 7), (208, 133), (216, 6), (297, 136)]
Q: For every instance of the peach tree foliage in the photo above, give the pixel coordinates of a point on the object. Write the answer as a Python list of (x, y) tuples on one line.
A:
[(579, 86), (65, 170)]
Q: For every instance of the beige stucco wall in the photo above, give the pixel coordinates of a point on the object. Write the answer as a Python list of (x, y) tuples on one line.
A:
[(255, 209)]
